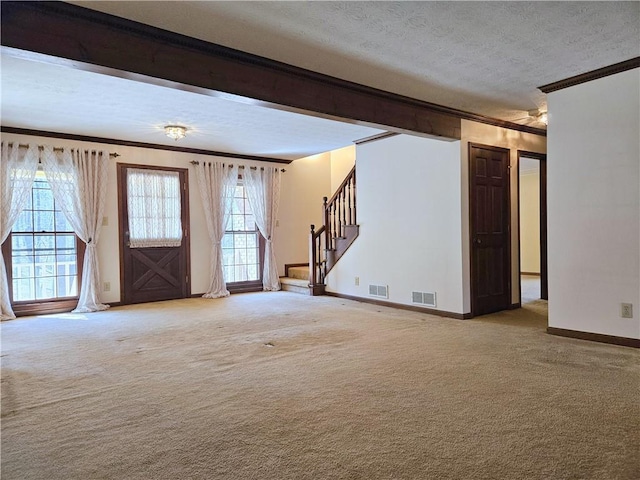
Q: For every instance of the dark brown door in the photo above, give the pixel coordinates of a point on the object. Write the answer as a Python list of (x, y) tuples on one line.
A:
[(489, 211), (152, 273)]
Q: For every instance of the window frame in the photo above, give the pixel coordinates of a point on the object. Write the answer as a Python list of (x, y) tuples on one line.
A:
[(48, 305), (250, 285)]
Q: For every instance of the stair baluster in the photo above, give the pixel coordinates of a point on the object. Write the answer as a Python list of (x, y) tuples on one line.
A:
[(326, 218), (355, 210), (331, 240), (349, 200), (336, 224)]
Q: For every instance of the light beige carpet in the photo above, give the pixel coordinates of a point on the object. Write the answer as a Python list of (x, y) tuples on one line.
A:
[(529, 288), (283, 386)]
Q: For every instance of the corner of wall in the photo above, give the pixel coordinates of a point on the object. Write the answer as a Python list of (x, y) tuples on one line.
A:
[(593, 196), (408, 211)]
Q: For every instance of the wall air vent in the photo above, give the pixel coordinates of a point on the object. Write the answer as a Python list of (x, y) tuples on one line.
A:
[(424, 298), (381, 291)]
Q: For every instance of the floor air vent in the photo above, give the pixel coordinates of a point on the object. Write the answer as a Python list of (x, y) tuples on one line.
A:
[(381, 291), (424, 298)]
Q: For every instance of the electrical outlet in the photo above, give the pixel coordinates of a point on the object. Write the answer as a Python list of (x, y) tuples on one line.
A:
[(357, 281), (105, 221), (107, 286), (626, 310)]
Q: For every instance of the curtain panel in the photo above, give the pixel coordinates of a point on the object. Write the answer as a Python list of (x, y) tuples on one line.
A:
[(154, 209), (78, 180), (263, 191), (217, 183), (18, 168)]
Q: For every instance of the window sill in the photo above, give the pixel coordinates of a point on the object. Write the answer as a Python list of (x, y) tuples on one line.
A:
[(245, 287), (44, 307)]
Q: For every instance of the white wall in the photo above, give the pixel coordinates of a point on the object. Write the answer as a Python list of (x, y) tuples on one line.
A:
[(593, 179), (342, 161), (473, 132), (409, 211), (308, 180), (304, 184), (530, 222)]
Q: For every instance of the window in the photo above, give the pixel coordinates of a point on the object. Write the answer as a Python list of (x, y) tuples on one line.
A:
[(153, 200), (43, 255), (242, 244)]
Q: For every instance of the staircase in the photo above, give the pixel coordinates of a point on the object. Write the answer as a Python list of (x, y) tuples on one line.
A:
[(328, 243), (296, 278)]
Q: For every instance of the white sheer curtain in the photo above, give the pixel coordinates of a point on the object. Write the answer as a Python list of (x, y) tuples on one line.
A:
[(18, 168), (78, 180), (155, 213), (217, 183), (263, 191)]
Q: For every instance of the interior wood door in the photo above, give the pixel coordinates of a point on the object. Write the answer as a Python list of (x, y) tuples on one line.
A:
[(489, 222), (155, 273)]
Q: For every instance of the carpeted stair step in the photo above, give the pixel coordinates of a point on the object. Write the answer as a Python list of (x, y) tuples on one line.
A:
[(295, 285), (301, 273)]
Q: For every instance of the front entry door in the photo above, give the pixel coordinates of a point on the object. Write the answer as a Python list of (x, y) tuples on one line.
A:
[(153, 233), (489, 211)]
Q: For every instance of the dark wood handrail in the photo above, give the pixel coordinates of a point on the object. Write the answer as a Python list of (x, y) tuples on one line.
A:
[(350, 176), (330, 241), (336, 215)]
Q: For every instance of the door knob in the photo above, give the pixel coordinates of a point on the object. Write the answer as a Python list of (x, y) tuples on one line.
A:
[(478, 241)]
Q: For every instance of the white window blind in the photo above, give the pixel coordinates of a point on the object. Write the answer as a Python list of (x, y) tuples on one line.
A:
[(153, 198)]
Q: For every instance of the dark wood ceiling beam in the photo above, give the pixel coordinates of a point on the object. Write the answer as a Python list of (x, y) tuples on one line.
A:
[(100, 42), (82, 35)]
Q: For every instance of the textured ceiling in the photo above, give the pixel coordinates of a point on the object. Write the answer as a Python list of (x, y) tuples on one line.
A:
[(481, 57), (61, 99)]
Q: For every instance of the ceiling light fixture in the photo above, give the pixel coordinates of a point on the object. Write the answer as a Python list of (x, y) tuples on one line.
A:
[(543, 118), (175, 131), (539, 116)]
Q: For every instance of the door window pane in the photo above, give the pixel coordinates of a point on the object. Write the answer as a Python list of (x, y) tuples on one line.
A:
[(154, 208)]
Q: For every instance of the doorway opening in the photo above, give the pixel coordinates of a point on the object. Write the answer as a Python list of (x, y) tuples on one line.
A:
[(532, 222)]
